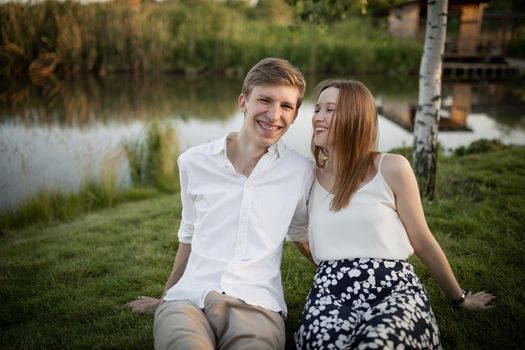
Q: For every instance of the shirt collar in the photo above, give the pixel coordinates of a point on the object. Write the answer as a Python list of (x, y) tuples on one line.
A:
[(219, 146), (279, 147)]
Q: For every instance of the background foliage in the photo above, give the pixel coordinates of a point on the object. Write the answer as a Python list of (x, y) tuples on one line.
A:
[(64, 38)]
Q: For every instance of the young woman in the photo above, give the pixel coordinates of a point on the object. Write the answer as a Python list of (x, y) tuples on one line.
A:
[(366, 219)]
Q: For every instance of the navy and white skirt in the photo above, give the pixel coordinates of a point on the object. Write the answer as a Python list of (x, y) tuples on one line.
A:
[(367, 304)]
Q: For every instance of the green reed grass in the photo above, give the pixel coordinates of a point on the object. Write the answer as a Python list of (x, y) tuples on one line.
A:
[(62, 285), (152, 157), (191, 36)]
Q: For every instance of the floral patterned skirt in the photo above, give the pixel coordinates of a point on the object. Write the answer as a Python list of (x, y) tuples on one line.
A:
[(367, 304)]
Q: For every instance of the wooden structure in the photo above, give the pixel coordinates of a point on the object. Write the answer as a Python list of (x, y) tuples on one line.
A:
[(477, 41), (408, 21)]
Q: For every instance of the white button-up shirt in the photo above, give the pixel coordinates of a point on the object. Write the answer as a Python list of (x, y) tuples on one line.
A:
[(236, 225)]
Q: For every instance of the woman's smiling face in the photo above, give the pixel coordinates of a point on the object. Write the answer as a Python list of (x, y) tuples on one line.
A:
[(323, 117)]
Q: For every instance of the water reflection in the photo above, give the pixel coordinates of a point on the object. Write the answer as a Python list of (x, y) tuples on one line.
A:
[(462, 100), (58, 158), (59, 135), (122, 98)]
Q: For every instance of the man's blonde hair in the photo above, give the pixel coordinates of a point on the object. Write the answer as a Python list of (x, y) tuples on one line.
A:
[(275, 71)]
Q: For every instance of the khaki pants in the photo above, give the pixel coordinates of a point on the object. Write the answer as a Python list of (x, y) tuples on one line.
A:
[(225, 323)]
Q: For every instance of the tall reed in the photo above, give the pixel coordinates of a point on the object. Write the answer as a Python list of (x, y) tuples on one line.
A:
[(152, 157), (63, 38)]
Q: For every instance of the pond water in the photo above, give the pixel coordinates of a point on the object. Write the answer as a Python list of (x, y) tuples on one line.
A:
[(63, 134)]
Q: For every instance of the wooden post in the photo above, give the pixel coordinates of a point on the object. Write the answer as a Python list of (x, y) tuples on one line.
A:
[(470, 29)]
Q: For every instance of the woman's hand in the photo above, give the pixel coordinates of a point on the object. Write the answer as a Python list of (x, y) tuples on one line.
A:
[(143, 305), (478, 301)]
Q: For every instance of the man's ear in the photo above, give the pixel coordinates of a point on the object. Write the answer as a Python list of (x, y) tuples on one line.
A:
[(242, 103)]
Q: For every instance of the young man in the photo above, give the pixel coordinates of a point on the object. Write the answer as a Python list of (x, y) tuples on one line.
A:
[(241, 195)]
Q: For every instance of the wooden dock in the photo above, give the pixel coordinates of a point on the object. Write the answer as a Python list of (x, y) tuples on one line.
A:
[(478, 70)]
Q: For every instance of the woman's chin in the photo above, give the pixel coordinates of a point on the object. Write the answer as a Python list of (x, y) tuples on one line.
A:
[(319, 143)]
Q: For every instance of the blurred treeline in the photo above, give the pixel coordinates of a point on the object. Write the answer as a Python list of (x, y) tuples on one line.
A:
[(66, 38)]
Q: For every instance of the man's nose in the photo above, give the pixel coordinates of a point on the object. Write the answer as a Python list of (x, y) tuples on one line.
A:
[(273, 113)]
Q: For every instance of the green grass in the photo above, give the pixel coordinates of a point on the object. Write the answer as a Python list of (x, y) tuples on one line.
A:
[(62, 284)]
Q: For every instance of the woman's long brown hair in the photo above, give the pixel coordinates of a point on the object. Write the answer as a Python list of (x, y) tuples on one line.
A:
[(355, 138)]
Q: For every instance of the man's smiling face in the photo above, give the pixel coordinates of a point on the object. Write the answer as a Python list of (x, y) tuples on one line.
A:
[(269, 111)]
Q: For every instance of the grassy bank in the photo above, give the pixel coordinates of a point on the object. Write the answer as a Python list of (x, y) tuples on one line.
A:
[(54, 38), (62, 284)]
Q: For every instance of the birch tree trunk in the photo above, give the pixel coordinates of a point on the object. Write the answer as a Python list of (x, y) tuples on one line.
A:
[(424, 154)]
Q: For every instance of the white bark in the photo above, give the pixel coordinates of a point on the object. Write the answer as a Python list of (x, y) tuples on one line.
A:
[(426, 122)]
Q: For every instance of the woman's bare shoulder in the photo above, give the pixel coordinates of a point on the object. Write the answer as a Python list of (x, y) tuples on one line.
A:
[(395, 164)]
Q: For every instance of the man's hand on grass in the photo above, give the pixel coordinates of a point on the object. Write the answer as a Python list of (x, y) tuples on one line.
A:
[(143, 305)]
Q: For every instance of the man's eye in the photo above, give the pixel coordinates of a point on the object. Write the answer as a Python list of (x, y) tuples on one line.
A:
[(287, 107), (264, 100)]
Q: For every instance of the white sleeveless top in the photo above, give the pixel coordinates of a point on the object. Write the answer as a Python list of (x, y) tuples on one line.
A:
[(368, 227)]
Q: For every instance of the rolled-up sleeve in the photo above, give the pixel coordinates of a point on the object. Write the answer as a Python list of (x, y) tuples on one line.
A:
[(186, 227), (298, 231)]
